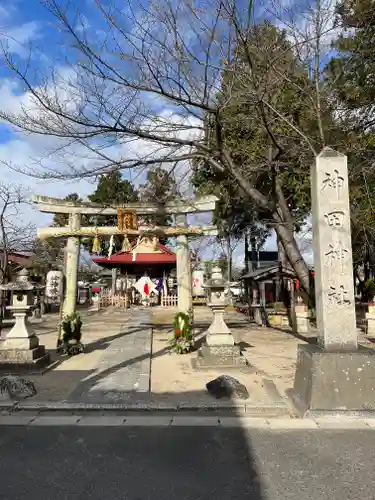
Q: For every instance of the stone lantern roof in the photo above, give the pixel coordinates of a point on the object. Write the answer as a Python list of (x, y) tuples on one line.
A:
[(21, 284), (216, 280)]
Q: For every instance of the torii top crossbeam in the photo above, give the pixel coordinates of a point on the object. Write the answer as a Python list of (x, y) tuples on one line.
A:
[(57, 206), (75, 210)]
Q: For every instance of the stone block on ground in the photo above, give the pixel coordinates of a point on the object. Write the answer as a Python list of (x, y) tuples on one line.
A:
[(334, 381), (13, 387), (226, 386)]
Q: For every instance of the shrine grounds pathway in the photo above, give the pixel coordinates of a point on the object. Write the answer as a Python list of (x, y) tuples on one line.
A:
[(127, 362), (186, 462)]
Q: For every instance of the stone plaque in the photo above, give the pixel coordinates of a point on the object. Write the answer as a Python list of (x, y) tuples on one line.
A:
[(334, 287)]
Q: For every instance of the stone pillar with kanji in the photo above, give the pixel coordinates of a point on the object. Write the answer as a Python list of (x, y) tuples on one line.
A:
[(335, 374)]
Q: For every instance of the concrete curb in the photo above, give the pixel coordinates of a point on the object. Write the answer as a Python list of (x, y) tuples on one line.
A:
[(170, 421), (231, 407)]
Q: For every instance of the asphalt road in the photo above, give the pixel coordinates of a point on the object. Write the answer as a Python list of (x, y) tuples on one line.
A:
[(185, 463)]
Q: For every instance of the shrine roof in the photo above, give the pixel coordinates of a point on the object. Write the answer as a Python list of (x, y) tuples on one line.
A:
[(139, 258), (162, 255)]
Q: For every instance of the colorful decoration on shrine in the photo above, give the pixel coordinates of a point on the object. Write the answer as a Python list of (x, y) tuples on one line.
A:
[(96, 245), (145, 286), (126, 220), (182, 341), (125, 244)]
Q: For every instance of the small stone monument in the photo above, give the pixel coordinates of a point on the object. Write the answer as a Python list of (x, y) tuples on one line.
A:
[(335, 374), (20, 350), (219, 349)]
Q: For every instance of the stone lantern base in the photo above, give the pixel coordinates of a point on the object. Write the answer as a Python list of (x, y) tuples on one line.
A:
[(219, 349), (20, 350), (224, 356), (13, 360)]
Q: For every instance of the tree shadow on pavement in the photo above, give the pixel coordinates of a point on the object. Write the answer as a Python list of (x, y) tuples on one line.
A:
[(175, 456)]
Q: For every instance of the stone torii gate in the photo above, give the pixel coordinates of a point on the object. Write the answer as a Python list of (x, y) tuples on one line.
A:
[(73, 231)]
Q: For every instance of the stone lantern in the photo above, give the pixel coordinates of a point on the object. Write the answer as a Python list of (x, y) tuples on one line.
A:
[(20, 348), (220, 349)]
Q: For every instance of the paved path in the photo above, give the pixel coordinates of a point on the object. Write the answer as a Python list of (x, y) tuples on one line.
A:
[(185, 463), (125, 365)]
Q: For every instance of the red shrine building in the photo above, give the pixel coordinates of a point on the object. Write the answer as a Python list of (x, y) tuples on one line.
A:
[(146, 256)]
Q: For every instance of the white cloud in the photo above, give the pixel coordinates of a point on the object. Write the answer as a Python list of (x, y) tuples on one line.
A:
[(23, 150), (307, 22), (47, 153), (8, 9), (17, 38), (82, 24), (5, 13)]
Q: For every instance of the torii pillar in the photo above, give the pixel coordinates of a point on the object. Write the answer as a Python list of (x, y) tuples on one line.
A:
[(183, 269), (72, 251)]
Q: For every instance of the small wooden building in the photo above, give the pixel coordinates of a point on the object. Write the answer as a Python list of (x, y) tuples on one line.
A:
[(266, 283)]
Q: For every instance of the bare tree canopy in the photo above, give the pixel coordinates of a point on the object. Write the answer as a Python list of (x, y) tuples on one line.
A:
[(147, 88), (106, 93), (14, 234)]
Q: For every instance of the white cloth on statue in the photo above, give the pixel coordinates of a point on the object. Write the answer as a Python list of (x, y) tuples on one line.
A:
[(142, 288)]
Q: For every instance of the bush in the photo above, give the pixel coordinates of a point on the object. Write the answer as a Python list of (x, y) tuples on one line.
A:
[(72, 334), (182, 341)]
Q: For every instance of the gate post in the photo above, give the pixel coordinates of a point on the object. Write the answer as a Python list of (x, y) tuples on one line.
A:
[(72, 251)]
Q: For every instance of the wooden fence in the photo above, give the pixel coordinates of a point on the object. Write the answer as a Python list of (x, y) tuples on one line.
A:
[(169, 300), (107, 299)]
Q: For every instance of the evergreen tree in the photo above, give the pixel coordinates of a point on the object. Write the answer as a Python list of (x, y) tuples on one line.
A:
[(350, 75), (352, 72), (112, 190), (160, 187)]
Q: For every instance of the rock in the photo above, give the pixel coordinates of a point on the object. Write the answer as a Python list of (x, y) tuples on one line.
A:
[(227, 387), (13, 387)]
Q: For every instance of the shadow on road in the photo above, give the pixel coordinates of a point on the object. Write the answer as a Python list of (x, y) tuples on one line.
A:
[(149, 461)]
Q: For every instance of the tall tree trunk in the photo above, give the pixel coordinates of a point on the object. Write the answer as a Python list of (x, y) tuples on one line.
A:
[(254, 256), (282, 255), (285, 231), (229, 257), (229, 266), (287, 239), (246, 253), (294, 256)]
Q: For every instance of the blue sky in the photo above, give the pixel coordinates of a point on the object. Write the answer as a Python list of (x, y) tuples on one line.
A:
[(25, 22)]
